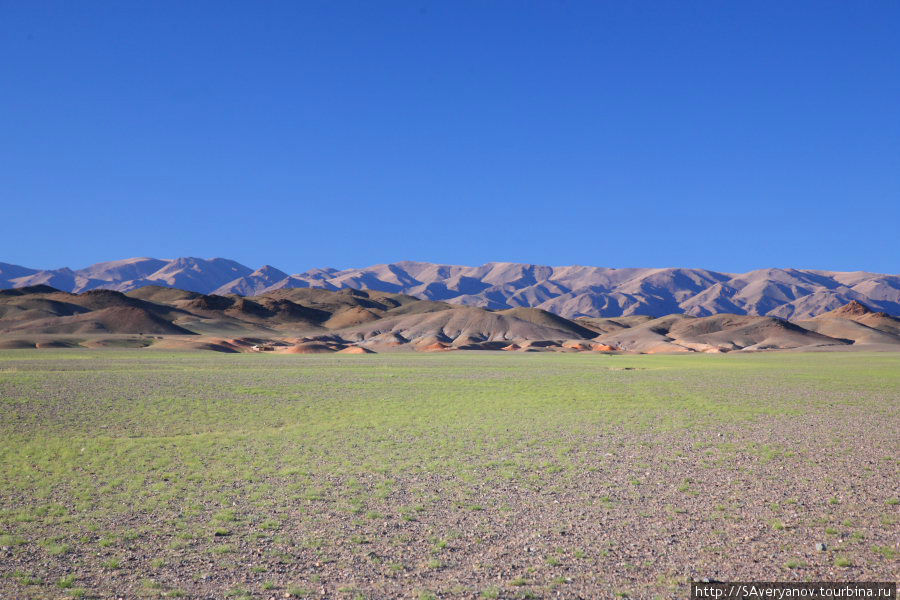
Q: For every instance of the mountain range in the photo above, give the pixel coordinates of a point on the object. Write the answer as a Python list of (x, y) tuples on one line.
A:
[(315, 320), (568, 291)]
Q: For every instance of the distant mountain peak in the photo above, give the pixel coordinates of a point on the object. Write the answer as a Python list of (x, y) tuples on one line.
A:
[(269, 271)]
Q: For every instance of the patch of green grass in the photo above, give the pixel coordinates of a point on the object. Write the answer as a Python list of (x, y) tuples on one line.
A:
[(27, 578), (11, 540), (441, 545), (54, 549), (842, 561), (226, 516)]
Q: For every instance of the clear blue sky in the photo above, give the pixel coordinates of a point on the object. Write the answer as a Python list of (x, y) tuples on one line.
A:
[(727, 135)]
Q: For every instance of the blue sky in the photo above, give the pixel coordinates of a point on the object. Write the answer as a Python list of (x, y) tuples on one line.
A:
[(729, 135)]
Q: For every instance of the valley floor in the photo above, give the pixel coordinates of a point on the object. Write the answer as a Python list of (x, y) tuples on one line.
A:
[(134, 474)]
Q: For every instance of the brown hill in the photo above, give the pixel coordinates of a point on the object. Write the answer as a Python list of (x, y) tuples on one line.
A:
[(881, 321), (611, 325), (311, 320), (542, 318), (116, 319), (356, 350), (353, 315), (722, 333), (470, 323), (310, 348), (856, 322), (156, 293), (32, 307), (850, 330), (850, 310)]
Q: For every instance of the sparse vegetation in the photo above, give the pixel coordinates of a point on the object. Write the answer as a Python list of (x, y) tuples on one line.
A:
[(208, 474), (842, 561)]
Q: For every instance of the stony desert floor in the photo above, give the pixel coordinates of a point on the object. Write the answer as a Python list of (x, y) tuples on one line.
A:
[(148, 474)]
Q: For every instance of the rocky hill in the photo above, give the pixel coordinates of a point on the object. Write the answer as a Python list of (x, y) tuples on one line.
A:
[(309, 320), (571, 292)]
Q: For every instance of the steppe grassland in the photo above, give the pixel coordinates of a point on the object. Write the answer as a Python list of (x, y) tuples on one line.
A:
[(451, 475)]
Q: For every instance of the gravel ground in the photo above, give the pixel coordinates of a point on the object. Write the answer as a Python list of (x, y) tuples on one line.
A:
[(634, 506)]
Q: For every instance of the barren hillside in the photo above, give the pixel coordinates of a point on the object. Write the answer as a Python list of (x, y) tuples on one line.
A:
[(305, 320), (571, 291)]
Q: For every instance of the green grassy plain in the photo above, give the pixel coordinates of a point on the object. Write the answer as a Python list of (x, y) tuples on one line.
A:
[(159, 474)]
